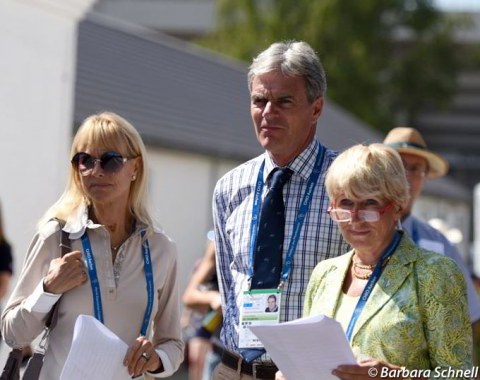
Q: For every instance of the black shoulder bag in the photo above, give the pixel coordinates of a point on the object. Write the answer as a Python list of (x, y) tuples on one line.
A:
[(11, 371)]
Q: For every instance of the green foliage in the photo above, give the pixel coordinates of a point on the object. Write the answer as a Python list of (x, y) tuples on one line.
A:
[(385, 59)]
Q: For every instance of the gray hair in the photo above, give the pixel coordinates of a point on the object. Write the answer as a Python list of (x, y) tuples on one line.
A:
[(293, 58)]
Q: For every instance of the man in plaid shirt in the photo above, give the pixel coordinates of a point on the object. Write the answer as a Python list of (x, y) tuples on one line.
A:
[(287, 85)]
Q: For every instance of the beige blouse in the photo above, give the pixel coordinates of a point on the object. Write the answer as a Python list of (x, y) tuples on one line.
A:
[(123, 291)]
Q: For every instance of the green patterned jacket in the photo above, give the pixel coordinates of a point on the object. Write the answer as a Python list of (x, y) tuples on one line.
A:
[(416, 316)]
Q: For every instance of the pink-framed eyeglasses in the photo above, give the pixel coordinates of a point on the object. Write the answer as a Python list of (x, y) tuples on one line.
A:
[(342, 215)]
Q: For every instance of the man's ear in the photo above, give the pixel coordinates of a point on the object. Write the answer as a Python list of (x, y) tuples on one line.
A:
[(317, 108)]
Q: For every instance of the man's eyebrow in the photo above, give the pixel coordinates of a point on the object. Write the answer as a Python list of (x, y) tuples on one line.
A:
[(276, 99), (285, 97)]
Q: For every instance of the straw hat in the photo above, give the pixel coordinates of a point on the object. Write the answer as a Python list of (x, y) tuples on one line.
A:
[(410, 141)]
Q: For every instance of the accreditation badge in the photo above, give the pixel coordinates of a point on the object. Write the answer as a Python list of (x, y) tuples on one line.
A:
[(258, 307)]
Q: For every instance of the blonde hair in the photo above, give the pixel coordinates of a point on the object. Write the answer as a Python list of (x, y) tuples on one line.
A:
[(374, 170), (107, 131)]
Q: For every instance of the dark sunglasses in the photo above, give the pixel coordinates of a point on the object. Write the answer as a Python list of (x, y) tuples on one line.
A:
[(110, 162)]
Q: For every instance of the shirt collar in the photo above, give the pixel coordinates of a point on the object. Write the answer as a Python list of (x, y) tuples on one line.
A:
[(407, 223), (79, 221), (302, 164)]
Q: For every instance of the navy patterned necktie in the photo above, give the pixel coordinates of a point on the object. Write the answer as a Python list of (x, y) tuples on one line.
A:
[(267, 265)]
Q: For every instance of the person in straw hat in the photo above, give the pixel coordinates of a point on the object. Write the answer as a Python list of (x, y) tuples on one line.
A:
[(420, 164)]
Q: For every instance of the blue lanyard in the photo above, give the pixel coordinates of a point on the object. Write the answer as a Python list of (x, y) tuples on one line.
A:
[(371, 283), (300, 218), (94, 283)]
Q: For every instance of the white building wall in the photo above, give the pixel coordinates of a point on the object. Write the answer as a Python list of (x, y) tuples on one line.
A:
[(186, 17), (181, 192), (37, 71)]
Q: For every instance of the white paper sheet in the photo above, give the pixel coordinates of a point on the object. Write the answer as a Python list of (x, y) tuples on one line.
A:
[(96, 353), (306, 348)]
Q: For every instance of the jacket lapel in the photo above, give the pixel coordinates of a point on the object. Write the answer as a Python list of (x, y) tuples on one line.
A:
[(334, 283), (393, 276)]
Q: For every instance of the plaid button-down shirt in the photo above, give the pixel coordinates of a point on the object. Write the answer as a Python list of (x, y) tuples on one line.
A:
[(320, 238)]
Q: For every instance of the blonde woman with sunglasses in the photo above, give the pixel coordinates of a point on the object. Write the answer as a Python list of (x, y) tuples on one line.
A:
[(120, 268)]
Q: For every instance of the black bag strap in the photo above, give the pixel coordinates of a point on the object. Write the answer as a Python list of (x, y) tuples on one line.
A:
[(64, 249), (11, 371), (35, 363), (34, 366)]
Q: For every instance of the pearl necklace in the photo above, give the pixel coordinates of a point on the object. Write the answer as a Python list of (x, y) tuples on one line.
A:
[(364, 276), (366, 267)]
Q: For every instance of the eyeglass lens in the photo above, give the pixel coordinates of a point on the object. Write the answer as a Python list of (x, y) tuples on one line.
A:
[(344, 215), (341, 215), (415, 171), (110, 162)]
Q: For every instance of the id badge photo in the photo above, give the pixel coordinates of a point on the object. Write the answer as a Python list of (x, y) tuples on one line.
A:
[(258, 307)]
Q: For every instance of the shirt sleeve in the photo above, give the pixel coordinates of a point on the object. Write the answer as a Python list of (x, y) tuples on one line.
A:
[(224, 252), (24, 316), (166, 324), (41, 301)]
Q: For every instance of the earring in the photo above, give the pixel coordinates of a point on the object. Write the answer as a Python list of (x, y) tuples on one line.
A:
[(134, 177), (399, 225)]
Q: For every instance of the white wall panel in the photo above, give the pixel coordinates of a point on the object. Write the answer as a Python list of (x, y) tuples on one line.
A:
[(181, 192), (37, 70)]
